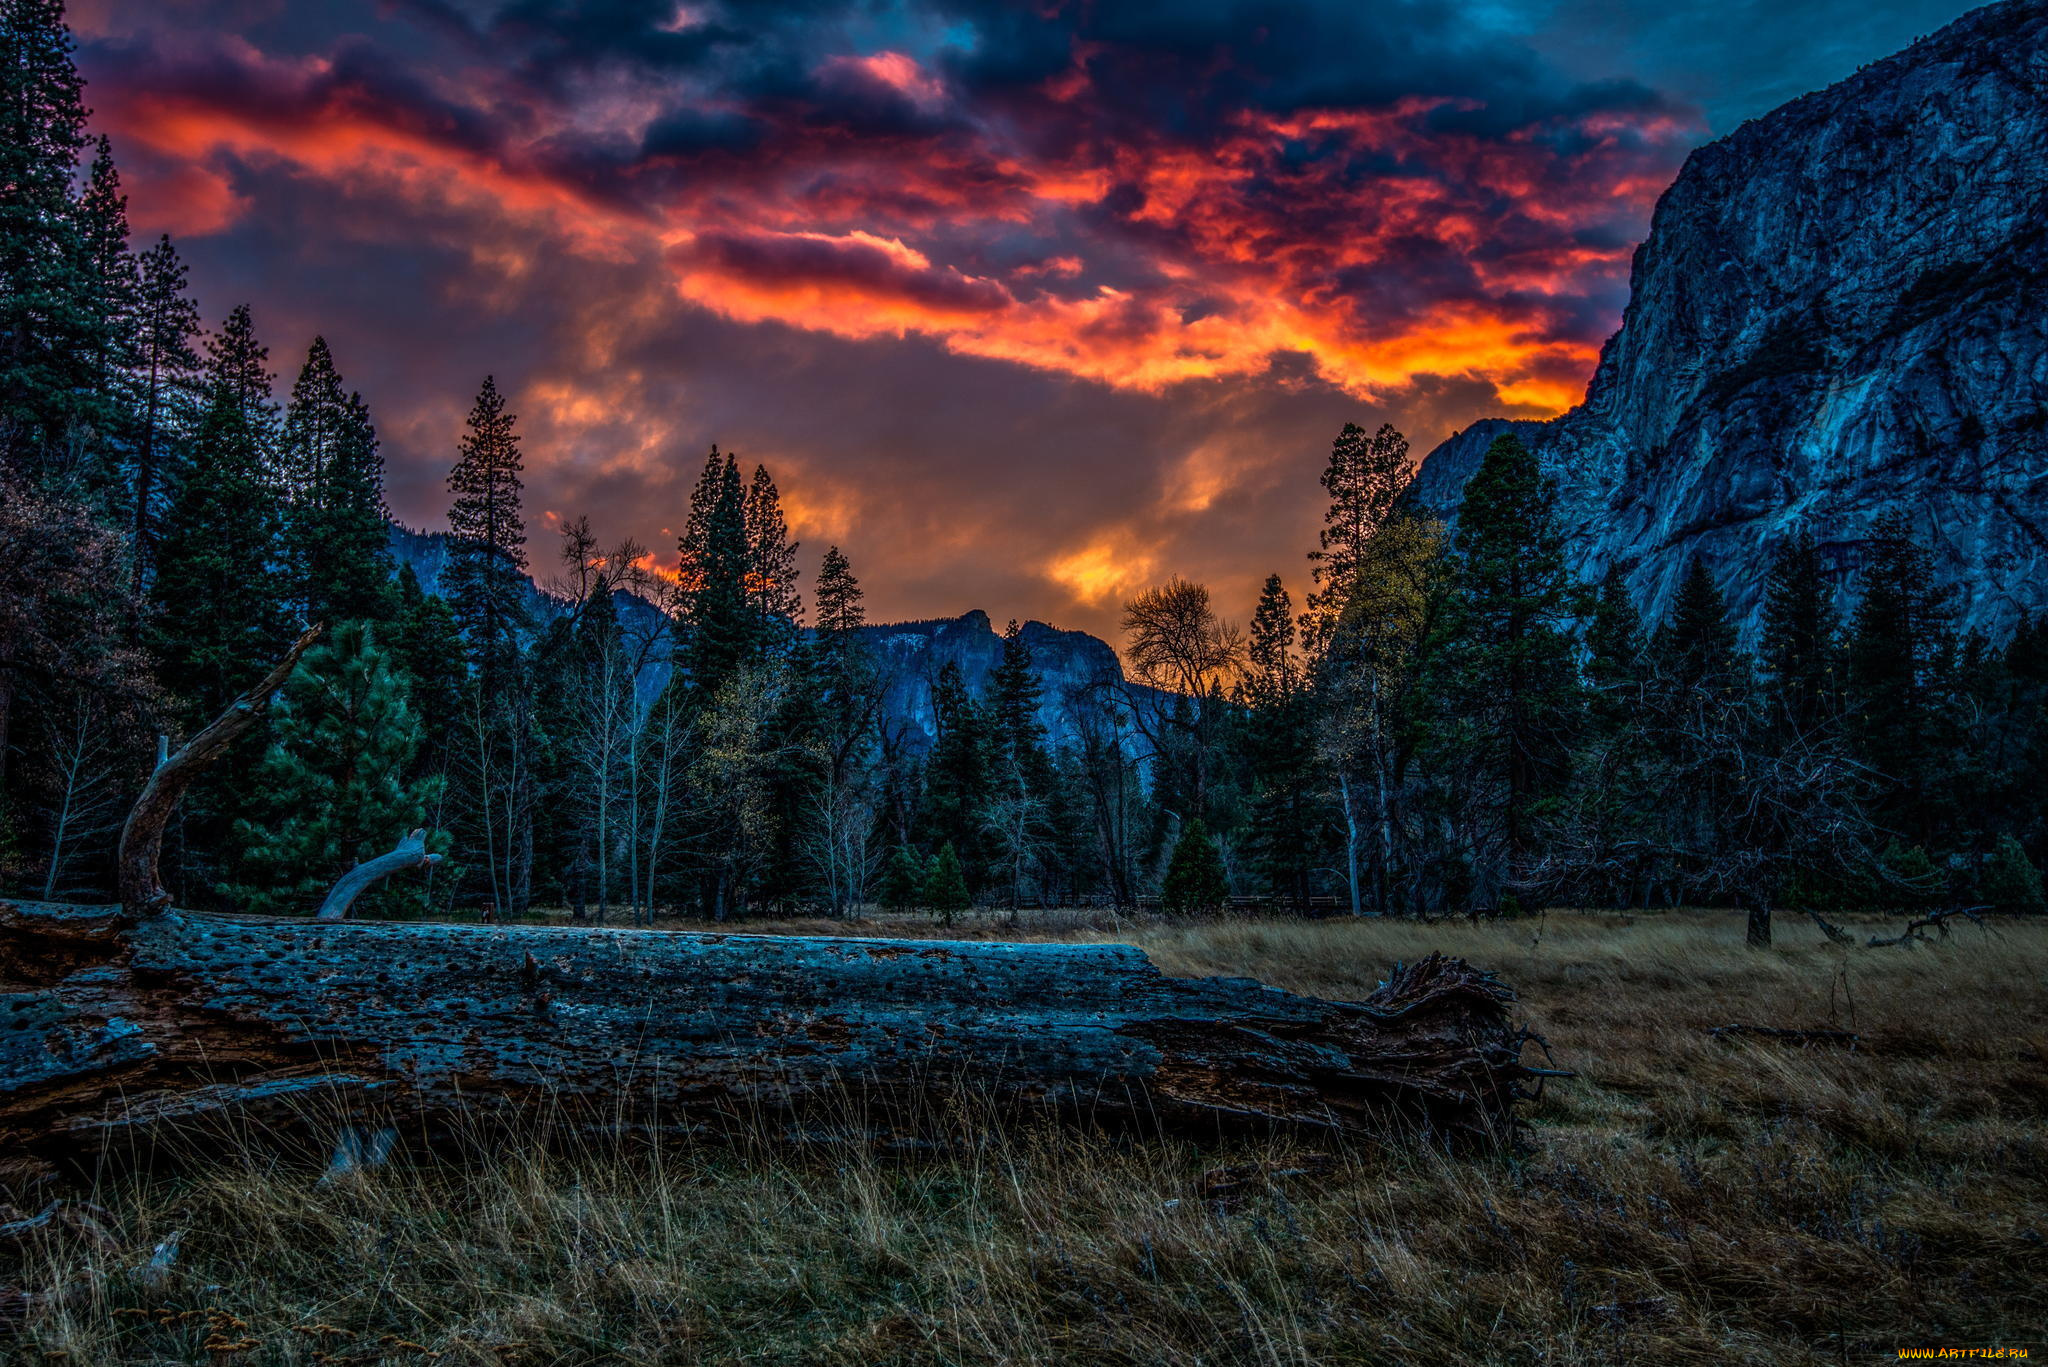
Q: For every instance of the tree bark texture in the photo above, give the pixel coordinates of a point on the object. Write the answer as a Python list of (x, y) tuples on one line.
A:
[(113, 1026)]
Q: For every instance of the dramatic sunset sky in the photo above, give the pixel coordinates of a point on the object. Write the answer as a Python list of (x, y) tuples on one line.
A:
[(1026, 305)]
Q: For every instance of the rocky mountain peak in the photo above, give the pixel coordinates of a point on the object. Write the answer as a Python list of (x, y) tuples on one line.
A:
[(1839, 312)]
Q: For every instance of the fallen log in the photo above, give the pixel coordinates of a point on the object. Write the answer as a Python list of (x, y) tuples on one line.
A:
[(114, 1027)]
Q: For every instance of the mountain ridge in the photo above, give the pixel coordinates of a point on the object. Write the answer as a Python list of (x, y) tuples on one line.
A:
[(1069, 664), (1838, 312)]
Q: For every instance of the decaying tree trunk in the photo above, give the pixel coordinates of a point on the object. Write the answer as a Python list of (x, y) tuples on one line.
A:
[(112, 1026)]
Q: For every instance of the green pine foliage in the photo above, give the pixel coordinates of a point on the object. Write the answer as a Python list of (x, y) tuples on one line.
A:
[(1195, 881), (337, 782), (1277, 738), (902, 885), (218, 618), (719, 630), (335, 537), (54, 330), (1504, 696), (166, 392), (1364, 479), (959, 774), (1800, 644), (945, 885), (2010, 881), (485, 581)]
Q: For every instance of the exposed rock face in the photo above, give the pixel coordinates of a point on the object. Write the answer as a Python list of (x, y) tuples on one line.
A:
[(1841, 310), (1071, 666)]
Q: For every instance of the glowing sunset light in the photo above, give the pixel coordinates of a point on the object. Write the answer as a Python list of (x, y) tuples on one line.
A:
[(975, 282)]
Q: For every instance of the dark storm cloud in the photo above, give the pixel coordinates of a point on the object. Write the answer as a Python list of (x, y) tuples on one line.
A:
[(1027, 304)]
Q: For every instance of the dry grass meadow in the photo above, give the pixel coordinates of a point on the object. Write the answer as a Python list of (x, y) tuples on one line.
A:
[(1688, 1199)]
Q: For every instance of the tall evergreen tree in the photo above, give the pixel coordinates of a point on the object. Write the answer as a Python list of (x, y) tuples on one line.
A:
[(1505, 691), (1797, 643), (1614, 653), (113, 280), (839, 597), (719, 633), (1279, 741), (53, 326), (485, 580), (1900, 657), (238, 366), (1022, 779), (218, 617), (336, 542), (958, 784), (426, 642), (1696, 645), (778, 607), (337, 784), (166, 383), (1365, 478)]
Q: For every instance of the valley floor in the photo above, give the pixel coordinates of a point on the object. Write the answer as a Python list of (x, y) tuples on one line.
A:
[(1690, 1198)]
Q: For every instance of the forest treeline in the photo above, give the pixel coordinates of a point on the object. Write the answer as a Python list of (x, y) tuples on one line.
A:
[(1445, 722)]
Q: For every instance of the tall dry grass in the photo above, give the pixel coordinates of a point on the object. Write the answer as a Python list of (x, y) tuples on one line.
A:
[(1689, 1200)]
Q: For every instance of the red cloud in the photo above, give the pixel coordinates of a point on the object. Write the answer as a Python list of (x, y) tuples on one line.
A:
[(1386, 244)]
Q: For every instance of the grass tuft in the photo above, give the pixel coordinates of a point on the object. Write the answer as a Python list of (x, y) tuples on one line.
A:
[(1692, 1199)]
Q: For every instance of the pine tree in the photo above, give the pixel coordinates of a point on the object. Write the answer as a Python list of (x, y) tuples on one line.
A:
[(1279, 744), (1365, 478), (238, 366), (719, 627), (426, 642), (338, 783), (839, 597), (771, 575), (902, 881), (50, 330), (113, 279), (1014, 697), (958, 782), (336, 542), (1798, 638), (485, 580), (166, 383), (945, 885), (1195, 881), (843, 675), (312, 424), (1900, 655), (1504, 690), (1614, 653), (1696, 646), (218, 618)]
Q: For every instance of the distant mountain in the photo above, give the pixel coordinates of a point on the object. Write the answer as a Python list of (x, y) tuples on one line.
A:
[(1072, 666), (1841, 310)]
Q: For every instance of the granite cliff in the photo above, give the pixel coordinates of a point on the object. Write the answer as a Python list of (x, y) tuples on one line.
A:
[(1841, 310)]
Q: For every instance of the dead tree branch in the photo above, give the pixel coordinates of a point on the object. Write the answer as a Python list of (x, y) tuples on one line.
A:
[(140, 886), (411, 853), (1916, 931)]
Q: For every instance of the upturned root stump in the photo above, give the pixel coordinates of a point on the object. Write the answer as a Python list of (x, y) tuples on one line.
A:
[(114, 1027)]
